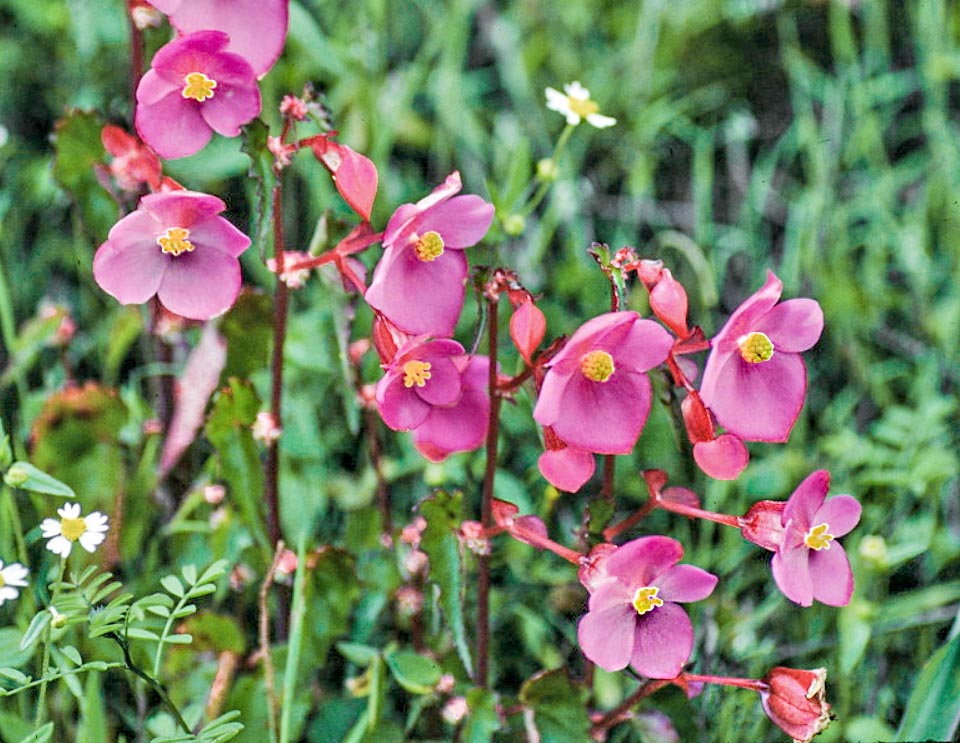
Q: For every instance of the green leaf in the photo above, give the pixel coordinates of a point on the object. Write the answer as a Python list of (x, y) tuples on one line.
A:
[(36, 627), (261, 170), (138, 633), (72, 654), (189, 574), (17, 677), (416, 673), (172, 584), (179, 639), (25, 476), (355, 652), (483, 721), (43, 735), (933, 712), (443, 513), (11, 654), (336, 590), (559, 707)]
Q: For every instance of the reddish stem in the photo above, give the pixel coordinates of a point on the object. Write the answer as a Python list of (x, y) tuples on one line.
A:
[(698, 513), (614, 716), (751, 684), (611, 532), (136, 55), (276, 394)]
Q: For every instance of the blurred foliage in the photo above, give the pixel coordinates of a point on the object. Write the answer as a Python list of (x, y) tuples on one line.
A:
[(815, 138)]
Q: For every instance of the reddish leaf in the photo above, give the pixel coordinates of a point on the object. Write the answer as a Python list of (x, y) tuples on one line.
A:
[(354, 175)]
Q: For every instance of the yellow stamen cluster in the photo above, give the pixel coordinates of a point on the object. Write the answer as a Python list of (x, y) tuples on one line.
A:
[(755, 348), (72, 529), (818, 538), (582, 107), (429, 246), (2, 581), (645, 599), (198, 86), (416, 373), (597, 366), (175, 242)]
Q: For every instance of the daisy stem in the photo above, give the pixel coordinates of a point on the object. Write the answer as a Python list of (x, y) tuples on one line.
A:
[(545, 184), (45, 663), (486, 503), (16, 525)]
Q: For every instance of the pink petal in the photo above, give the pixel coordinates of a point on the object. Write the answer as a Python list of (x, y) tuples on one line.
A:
[(645, 346), (220, 234), (188, 53), (450, 186), (748, 314), (152, 88), (685, 583), (173, 126), (443, 387), (664, 641), (640, 562), (400, 407), (461, 222), (200, 377), (550, 402), (791, 571), (419, 296), (794, 325), (400, 226), (807, 499), (607, 637), (528, 325), (841, 512), (131, 273), (201, 284), (181, 208), (591, 335), (757, 402), (610, 593), (356, 179), (231, 108), (460, 427), (832, 577), (723, 458), (567, 469)]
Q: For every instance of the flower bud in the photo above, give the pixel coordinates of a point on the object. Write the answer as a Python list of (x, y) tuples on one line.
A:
[(796, 701)]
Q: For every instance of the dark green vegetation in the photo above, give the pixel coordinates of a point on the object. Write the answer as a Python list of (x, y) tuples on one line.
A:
[(812, 138)]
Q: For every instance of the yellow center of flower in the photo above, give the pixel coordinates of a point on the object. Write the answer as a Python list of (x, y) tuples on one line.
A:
[(72, 529), (756, 348), (818, 538), (416, 373), (429, 246), (645, 599), (2, 581), (198, 86), (582, 107), (597, 366), (175, 242)]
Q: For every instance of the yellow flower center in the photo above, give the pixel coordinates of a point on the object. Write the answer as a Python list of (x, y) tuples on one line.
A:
[(645, 599), (818, 538), (198, 86), (175, 242), (597, 365), (72, 529), (429, 246), (755, 348), (2, 581), (582, 107), (416, 373)]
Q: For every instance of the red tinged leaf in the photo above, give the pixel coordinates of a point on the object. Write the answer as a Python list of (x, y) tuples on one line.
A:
[(527, 328)]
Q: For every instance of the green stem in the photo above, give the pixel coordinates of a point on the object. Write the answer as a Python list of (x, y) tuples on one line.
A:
[(45, 663), (544, 186), (62, 674), (16, 525), (297, 613), (151, 682), (9, 333)]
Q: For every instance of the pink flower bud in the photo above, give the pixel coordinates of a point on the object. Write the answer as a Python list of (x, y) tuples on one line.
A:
[(796, 701)]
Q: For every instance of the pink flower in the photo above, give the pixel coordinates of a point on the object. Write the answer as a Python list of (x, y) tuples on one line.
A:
[(257, 28), (596, 395), (419, 282), (194, 88), (420, 376), (175, 246), (754, 380), (634, 618), (808, 563)]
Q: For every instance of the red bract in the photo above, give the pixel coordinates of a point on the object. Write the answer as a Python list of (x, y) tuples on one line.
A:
[(527, 328), (419, 282), (134, 164), (596, 394), (754, 380), (194, 88), (257, 28), (354, 175)]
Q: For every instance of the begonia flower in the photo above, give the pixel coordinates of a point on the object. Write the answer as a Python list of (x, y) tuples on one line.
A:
[(13, 577), (463, 425), (71, 527), (257, 28), (575, 104), (596, 394), (420, 376), (634, 618), (755, 381), (808, 563), (175, 246), (565, 467), (194, 88), (795, 701), (419, 283)]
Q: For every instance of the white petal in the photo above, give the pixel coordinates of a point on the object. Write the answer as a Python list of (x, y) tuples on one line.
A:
[(576, 90), (70, 511), (14, 575), (96, 521), (572, 118), (90, 540), (60, 546), (600, 121), (8, 594), (50, 528)]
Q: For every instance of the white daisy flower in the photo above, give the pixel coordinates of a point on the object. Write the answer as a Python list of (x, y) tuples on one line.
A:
[(575, 104), (90, 530), (12, 579)]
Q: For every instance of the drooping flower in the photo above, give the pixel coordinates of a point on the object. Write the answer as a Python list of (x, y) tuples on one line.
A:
[(808, 563), (596, 394), (796, 701), (575, 104), (13, 577), (194, 88), (257, 28), (71, 527), (634, 618), (755, 381), (419, 282), (175, 246)]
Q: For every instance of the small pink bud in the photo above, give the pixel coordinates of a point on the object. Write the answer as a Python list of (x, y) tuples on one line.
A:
[(445, 684), (358, 349), (409, 601), (214, 494), (668, 300), (265, 428), (455, 710), (287, 564), (293, 108), (649, 273), (294, 279), (416, 562), (474, 538), (527, 328), (763, 524), (696, 418), (411, 533), (152, 427), (796, 701)]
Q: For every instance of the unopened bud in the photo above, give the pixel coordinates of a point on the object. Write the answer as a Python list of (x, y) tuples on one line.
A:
[(547, 170), (514, 225)]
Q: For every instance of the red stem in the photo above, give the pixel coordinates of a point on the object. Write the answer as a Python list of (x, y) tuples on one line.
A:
[(279, 335), (751, 684), (614, 715), (136, 55), (699, 513), (616, 530)]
